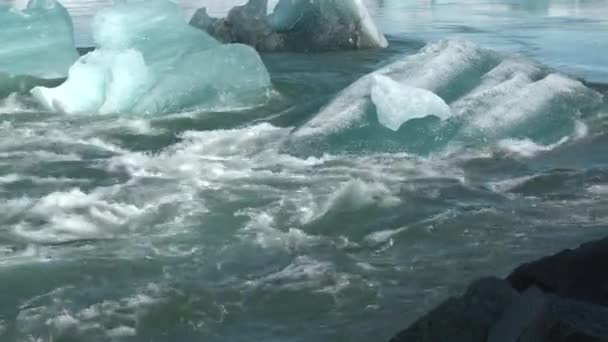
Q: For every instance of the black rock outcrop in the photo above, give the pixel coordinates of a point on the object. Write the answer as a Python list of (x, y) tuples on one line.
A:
[(561, 298), (295, 25)]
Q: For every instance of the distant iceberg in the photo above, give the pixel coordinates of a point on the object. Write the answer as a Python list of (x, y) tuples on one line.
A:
[(149, 61), (296, 25), (37, 46)]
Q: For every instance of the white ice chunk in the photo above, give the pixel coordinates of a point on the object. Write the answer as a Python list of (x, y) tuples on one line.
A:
[(397, 104), (100, 82)]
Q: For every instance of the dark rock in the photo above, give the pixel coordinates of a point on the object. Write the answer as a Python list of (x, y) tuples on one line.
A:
[(245, 24), (464, 319), (580, 274), (318, 28), (561, 298), (536, 317)]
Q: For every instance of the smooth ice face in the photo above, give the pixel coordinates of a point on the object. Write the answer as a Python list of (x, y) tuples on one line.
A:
[(37, 43), (233, 77), (154, 27), (148, 61), (397, 104)]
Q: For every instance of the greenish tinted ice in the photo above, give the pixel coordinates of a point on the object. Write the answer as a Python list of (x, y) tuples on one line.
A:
[(37, 45), (148, 61)]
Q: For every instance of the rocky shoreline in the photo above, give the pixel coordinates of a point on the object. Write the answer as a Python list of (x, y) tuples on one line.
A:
[(560, 298)]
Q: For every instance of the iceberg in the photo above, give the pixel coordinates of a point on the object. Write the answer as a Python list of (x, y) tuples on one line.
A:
[(482, 94), (296, 25), (397, 104), (37, 46), (148, 61)]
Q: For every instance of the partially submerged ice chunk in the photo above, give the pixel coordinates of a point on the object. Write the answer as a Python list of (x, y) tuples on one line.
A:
[(99, 82), (37, 45), (299, 25), (491, 96), (397, 104), (149, 61)]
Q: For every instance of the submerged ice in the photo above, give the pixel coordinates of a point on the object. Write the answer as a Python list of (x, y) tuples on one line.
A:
[(37, 45), (148, 60), (296, 25), (480, 95)]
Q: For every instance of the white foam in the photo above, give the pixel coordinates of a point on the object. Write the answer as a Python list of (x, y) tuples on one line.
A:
[(122, 331), (14, 178), (526, 147), (304, 272), (263, 231), (15, 258), (507, 185), (13, 104), (10, 178), (599, 189), (355, 195), (383, 236), (75, 215), (15, 206), (210, 155), (109, 319), (63, 322)]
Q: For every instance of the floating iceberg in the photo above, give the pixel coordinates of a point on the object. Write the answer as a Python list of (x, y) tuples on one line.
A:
[(397, 104), (491, 96), (296, 25), (148, 61), (37, 46)]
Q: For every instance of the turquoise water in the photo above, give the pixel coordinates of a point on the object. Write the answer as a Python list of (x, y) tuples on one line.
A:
[(231, 227)]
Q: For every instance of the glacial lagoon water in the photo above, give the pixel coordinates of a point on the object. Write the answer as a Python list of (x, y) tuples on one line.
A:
[(239, 225)]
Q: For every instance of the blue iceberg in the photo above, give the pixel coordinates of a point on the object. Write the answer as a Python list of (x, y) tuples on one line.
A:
[(37, 46), (148, 61)]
